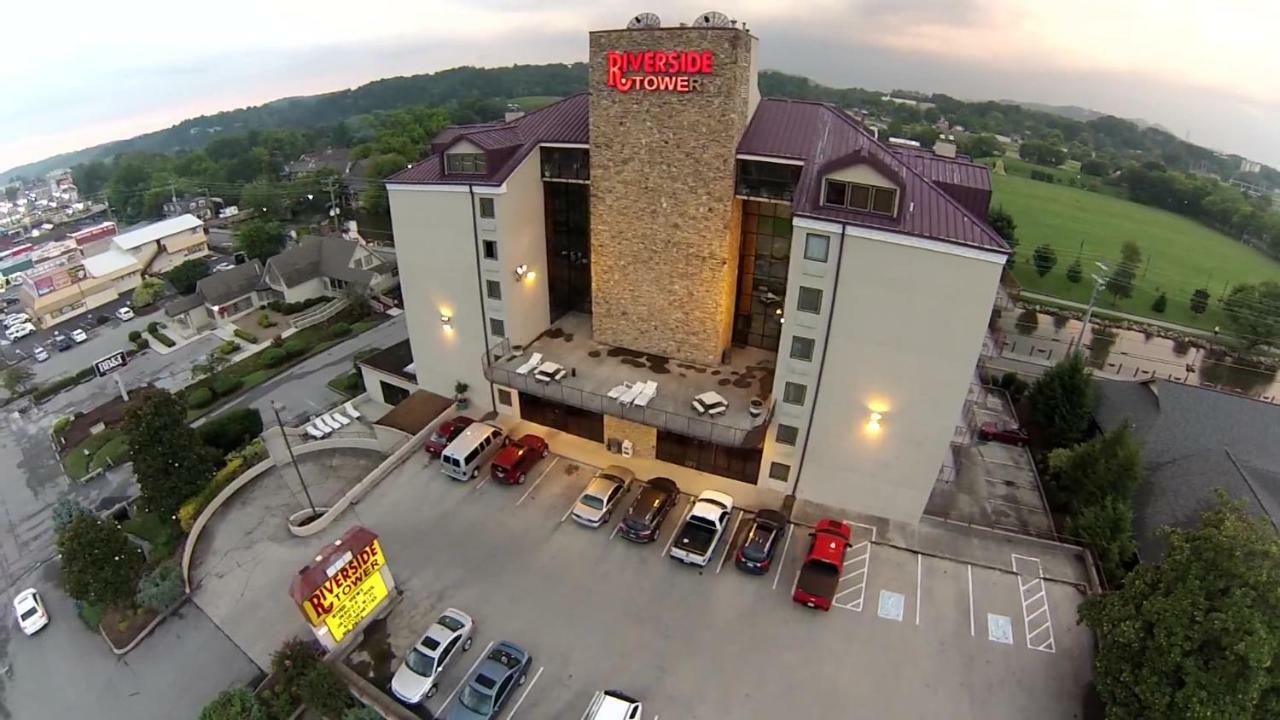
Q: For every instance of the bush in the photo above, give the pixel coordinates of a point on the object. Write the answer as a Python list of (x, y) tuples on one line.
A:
[(60, 425), (236, 704), (293, 308), (363, 712), (321, 690), (141, 344), (256, 378), (265, 321), (230, 431), (1161, 302), (225, 384), (340, 330), (245, 336), (228, 347), (276, 306), (134, 335), (153, 327), (160, 588), (66, 510), (85, 375), (164, 339), (295, 348), (191, 509), (274, 357), (200, 397)]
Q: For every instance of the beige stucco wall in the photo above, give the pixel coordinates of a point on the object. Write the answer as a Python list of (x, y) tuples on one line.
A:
[(304, 290), (437, 253), (864, 174), (908, 328), (644, 438), (662, 187), (519, 226)]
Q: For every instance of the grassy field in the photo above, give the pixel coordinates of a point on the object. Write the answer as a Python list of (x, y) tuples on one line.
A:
[(1180, 254)]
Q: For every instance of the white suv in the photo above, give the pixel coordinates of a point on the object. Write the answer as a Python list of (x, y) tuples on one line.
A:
[(448, 637), (19, 330), (613, 705)]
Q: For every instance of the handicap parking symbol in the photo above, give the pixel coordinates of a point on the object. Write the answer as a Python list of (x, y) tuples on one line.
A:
[(891, 605), (999, 628)]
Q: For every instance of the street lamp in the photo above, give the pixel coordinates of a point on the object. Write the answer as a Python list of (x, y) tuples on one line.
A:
[(1099, 284), (275, 407)]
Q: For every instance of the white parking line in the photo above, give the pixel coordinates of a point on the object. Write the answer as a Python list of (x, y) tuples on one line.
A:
[(480, 484), (729, 542), (1035, 603), (688, 505), (543, 474), (480, 658), (569, 512), (971, 630), (861, 562), (919, 563), (616, 528), (527, 688), (783, 560)]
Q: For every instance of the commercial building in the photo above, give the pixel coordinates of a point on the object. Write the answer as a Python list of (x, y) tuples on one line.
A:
[(670, 229)]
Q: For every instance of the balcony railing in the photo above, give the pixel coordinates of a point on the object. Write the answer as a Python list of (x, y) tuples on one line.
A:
[(766, 189), (717, 431)]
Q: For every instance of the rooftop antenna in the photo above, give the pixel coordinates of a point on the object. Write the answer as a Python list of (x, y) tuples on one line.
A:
[(713, 19), (644, 20)]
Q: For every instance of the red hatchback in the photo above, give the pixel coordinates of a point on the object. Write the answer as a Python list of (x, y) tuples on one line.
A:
[(445, 434), (514, 461)]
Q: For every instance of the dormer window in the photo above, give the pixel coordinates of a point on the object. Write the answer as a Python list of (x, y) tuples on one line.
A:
[(464, 163), (856, 196)]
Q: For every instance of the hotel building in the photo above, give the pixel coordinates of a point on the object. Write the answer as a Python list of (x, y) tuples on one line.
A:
[(671, 225)]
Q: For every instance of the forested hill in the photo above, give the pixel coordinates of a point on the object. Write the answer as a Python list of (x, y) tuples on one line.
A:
[(442, 89)]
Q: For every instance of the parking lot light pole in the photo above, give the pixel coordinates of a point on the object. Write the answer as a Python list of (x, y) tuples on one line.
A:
[(1099, 284), (275, 407)]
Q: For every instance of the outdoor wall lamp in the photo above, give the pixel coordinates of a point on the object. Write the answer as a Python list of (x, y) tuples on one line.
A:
[(873, 423), (446, 321), (524, 273)]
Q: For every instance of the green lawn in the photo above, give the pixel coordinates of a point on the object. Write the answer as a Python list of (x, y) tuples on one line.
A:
[(105, 449), (162, 535), (1180, 254)]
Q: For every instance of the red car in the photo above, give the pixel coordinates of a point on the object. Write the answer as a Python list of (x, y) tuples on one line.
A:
[(445, 434), (820, 574), (990, 431), (514, 461)]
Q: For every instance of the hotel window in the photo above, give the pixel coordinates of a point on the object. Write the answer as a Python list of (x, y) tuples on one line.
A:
[(855, 196), (493, 289), (465, 163), (809, 300), (490, 249), (497, 327), (816, 247), (787, 434), (779, 471), (801, 348), (504, 398), (793, 393), (486, 208)]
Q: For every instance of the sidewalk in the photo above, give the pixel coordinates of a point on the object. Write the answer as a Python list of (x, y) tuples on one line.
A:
[(1103, 312)]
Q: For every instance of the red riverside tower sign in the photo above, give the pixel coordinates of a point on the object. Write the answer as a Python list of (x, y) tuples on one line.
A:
[(657, 70)]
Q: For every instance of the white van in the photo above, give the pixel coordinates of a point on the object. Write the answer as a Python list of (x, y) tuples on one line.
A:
[(468, 452), (613, 705)]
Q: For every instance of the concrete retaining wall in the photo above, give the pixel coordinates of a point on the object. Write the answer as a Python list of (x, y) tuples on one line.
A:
[(189, 547)]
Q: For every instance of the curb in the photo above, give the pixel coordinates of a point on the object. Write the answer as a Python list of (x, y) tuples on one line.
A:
[(146, 630)]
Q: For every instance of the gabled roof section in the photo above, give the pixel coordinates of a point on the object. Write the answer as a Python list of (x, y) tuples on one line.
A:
[(819, 133), (223, 287), (507, 144), (156, 231)]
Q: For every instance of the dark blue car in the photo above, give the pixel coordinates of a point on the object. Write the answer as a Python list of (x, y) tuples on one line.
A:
[(491, 686)]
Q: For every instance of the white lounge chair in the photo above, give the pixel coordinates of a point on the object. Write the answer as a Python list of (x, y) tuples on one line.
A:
[(324, 425), (318, 435), (632, 393), (717, 410), (619, 390), (650, 391), (351, 410), (343, 420), (534, 361)]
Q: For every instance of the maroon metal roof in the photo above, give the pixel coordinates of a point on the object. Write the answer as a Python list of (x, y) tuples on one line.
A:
[(969, 183), (506, 144), (826, 138)]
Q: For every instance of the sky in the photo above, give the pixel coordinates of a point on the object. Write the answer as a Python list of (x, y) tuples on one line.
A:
[(99, 71)]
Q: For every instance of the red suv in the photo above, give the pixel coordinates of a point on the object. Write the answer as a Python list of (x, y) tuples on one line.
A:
[(514, 461), (445, 434)]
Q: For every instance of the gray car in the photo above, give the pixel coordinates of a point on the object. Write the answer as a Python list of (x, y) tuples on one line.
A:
[(494, 682), (602, 493)]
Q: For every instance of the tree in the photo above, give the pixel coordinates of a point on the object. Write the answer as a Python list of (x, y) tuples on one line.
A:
[(364, 712), (984, 145), (1107, 528), (1253, 312), (184, 277), (99, 564), (1120, 281), (1003, 223), (1096, 167), (1197, 634), (321, 690), (1200, 301), (260, 239), (264, 197), (161, 588), (1160, 304), (1042, 153), (169, 460), (235, 704), (1075, 272), (66, 510), (147, 292), (1084, 475), (1045, 258), (11, 192), (1062, 402), (16, 378)]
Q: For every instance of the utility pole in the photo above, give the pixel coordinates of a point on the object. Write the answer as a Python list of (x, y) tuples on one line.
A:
[(275, 407), (334, 211)]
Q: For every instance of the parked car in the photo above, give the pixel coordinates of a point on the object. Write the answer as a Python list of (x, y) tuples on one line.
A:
[(514, 461), (703, 528), (16, 318), (20, 330), (79, 335), (755, 555), (613, 705), (463, 458), (418, 676), (445, 433), (1011, 434), (602, 493), (39, 353), (62, 342), (124, 313), (492, 684), (223, 266), (647, 512), (30, 611), (820, 573)]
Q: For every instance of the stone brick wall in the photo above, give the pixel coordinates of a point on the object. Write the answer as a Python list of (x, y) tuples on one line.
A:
[(664, 249), (644, 439)]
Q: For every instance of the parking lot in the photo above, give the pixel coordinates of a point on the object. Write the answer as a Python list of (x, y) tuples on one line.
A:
[(911, 635)]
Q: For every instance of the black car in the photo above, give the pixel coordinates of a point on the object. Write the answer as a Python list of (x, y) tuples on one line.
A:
[(644, 517), (761, 540), (62, 342)]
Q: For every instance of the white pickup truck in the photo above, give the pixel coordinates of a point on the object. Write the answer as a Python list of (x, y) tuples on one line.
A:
[(702, 528)]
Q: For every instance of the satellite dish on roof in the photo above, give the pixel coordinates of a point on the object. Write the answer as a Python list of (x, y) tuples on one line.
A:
[(713, 19), (644, 20)]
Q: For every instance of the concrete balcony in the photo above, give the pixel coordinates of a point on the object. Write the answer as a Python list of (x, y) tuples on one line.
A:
[(594, 369)]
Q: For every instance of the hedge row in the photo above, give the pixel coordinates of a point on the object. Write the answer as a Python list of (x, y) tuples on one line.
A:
[(164, 339), (245, 336), (44, 392), (232, 430), (293, 308)]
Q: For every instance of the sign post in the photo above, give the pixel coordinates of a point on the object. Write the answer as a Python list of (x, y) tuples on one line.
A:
[(109, 365)]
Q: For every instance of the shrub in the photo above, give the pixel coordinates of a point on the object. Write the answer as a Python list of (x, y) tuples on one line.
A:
[(191, 509), (66, 510), (321, 690), (164, 339), (245, 336), (236, 704), (134, 335), (257, 377), (200, 397), (230, 431), (160, 588), (153, 327), (228, 347), (1161, 302), (60, 425), (265, 321), (340, 330), (295, 347), (274, 357), (85, 375), (276, 306), (141, 344), (147, 292), (363, 712), (226, 384)]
